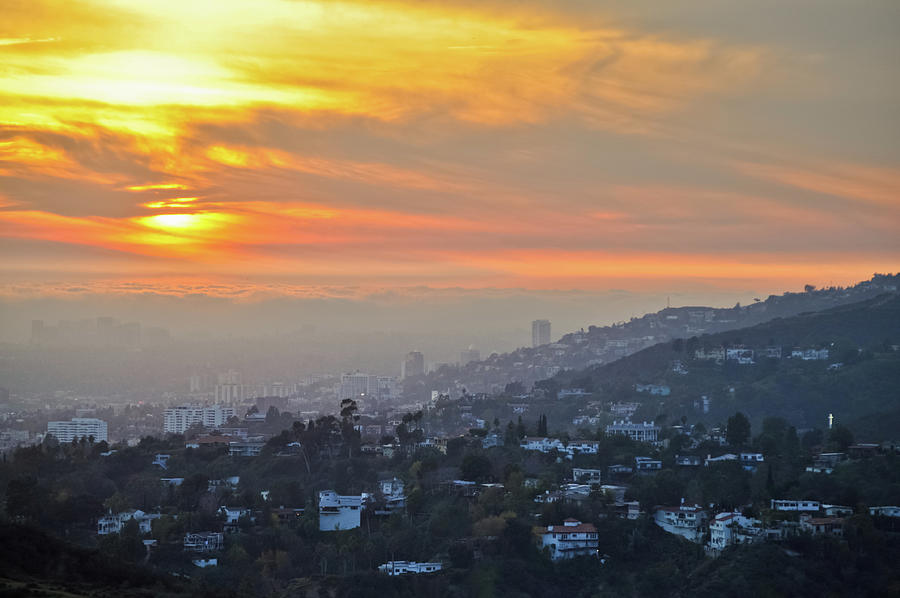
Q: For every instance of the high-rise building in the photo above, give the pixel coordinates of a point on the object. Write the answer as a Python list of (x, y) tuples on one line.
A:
[(179, 419), (79, 427), (469, 355), (355, 386), (413, 365), (540, 333)]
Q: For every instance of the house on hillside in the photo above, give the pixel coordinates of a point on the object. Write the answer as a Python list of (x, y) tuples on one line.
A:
[(337, 512), (204, 541), (640, 432), (113, 524), (407, 567), (729, 528), (646, 464), (586, 476), (819, 526), (569, 540), (687, 521), (794, 505)]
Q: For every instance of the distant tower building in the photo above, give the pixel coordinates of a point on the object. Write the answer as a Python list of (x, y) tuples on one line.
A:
[(830, 421), (540, 333), (356, 386), (469, 355), (413, 365), (229, 389)]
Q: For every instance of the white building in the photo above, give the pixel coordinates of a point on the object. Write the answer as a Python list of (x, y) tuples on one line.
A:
[(587, 476), (337, 512), (540, 333), (884, 511), (730, 528), (642, 464), (794, 505), (687, 521), (740, 355), (233, 516), (113, 524), (641, 432), (245, 448), (77, 428), (204, 541), (569, 540), (394, 493), (179, 419), (654, 389), (573, 447), (404, 567)]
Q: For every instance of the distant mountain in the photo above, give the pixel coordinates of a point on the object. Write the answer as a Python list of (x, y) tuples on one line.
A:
[(844, 361), (602, 345)]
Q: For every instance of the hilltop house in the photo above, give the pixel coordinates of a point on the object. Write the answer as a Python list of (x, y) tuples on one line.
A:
[(586, 476), (113, 524), (405, 567), (641, 432), (569, 540), (731, 528), (204, 541), (394, 494), (794, 505), (687, 521), (830, 526), (337, 512)]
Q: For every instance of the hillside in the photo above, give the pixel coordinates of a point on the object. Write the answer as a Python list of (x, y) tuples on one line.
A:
[(606, 344), (35, 563), (860, 376)]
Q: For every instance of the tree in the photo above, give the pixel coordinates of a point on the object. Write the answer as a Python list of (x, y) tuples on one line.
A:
[(737, 431), (840, 438), (476, 468), (542, 425)]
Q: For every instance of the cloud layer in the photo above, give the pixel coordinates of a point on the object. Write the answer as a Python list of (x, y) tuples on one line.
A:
[(535, 145)]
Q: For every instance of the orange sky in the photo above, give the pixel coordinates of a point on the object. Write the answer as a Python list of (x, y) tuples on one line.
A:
[(493, 144)]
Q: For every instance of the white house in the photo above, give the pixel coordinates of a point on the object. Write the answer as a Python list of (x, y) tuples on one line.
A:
[(740, 355), (232, 516), (731, 528), (884, 511), (394, 493), (204, 541), (405, 567), (583, 447), (837, 511), (569, 540), (794, 505), (687, 521), (587, 476), (113, 524), (644, 464), (710, 460), (654, 389), (539, 443), (641, 432), (337, 512)]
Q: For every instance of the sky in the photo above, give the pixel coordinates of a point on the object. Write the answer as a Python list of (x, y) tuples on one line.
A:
[(708, 147)]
